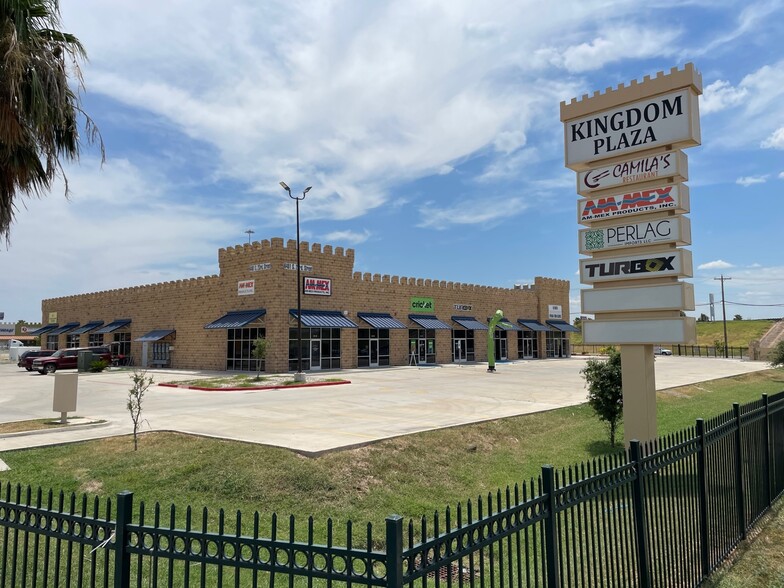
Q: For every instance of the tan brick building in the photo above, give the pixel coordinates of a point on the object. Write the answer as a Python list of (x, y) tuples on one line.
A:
[(349, 319)]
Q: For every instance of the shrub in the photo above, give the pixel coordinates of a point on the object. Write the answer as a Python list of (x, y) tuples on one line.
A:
[(777, 357), (605, 390), (98, 365)]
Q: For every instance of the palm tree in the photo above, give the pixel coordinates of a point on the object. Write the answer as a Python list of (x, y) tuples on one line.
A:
[(39, 110)]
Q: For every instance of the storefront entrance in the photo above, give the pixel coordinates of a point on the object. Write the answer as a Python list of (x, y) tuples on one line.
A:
[(463, 345), (315, 354), (421, 346), (373, 348), (528, 347), (500, 345)]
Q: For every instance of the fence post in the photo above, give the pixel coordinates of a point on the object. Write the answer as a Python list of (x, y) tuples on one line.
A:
[(768, 460), (638, 501), (739, 494), (395, 551), (122, 559), (702, 495), (551, 528)]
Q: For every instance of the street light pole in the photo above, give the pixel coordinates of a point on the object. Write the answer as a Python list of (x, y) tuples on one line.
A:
[(299, 376), (724, 314), (249, 232)]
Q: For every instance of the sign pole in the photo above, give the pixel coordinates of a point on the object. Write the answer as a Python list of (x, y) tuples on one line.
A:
[(639, 393)]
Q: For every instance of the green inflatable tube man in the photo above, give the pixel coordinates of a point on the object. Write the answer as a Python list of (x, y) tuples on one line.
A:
[(497, 317)]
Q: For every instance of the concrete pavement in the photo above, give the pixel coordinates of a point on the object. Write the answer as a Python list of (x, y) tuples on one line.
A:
[(378, 404)]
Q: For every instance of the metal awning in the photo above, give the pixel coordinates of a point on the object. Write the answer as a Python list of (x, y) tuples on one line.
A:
[(64, 329), (324, 318), (563, 326), (236, 319), (506, 325), (87, 327), (469, 322), (156, 335), (42, 330), (428, 321), (381, 320), (114, 326), (532, 325)]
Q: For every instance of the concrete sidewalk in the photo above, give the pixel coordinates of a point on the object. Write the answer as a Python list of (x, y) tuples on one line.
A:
[(378, 404)]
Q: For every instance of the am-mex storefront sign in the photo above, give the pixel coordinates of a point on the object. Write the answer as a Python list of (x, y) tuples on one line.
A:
[(672, 229), (674, 197), (317, 286), (669, 263), (670, 164), (667, 119)]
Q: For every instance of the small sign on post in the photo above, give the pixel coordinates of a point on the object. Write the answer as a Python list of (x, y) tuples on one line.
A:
[(64, 398)]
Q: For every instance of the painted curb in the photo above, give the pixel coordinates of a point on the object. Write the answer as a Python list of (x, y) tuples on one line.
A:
[(247, 388)]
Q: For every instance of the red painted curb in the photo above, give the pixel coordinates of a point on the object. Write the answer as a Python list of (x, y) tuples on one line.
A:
[(236, 389)]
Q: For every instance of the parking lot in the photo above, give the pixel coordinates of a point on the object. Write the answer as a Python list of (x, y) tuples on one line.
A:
[(378, 404)]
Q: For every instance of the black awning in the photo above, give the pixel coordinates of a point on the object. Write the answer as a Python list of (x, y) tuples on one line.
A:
[(87, 327), (506, 325), (64, 329), (380, 320), (156, 335), (114, 326), (43, 330), (469, 322), (324, 318), (532, 325), (563, 326), (236, 319), (428, 321)]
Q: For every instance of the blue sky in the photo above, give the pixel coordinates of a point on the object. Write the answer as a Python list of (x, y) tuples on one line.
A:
[(429, 131)]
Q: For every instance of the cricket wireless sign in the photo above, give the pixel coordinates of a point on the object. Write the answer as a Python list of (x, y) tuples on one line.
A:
[(669, 119), (671, 263), (673, 229)]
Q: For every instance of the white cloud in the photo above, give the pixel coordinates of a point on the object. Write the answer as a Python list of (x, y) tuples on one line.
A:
[(781, 175), (721, 95), (474, 212), (775, 141), (352, 237), (718, 264), (747, 181)]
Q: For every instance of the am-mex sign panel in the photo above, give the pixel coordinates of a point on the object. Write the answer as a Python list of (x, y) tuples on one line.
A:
[(317, 286), (674, 197), (672, 229), (669, 263), (633, 171), (666, 119)]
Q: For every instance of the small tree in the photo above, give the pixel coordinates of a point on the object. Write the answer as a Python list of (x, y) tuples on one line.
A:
[(719, 345), (605, 390), (777, 357), (141, 383), (738, 318), (259, 352)]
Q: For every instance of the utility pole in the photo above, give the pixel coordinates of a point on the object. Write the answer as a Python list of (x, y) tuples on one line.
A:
[(724, 313)]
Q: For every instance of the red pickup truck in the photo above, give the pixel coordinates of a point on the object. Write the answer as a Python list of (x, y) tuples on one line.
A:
[(67, 359)]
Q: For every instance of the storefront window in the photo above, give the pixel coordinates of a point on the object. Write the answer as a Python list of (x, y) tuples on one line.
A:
[(557, 344), (239, 349), (95, 339), (72, 341), (422, 345), (527, 345), (500, 340), (52, 342), (123, 341), (161, 354), (463, 348), (320, 349), (372, 347)]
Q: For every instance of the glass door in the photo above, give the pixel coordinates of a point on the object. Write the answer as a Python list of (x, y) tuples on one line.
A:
[(373, 352), (422, 351), (315, 354), (500, 347), (459, 351)]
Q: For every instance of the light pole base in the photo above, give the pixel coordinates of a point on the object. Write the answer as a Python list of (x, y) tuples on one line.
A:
[(299, 377)]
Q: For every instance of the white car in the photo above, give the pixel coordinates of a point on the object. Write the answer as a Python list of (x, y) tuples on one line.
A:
[(661, 351)]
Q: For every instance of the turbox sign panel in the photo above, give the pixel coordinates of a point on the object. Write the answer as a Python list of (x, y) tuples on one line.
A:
[(670, 263), (671, 229)]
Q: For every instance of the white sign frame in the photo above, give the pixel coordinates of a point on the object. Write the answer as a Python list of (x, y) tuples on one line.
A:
[(554, 311), (639, 266), (639, 331), (246, 287), (677, 296), (649, 168), (622, 205), (657, 231)]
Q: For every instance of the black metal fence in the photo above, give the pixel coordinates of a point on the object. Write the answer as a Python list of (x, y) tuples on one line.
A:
[(682, 350), (662, 514)]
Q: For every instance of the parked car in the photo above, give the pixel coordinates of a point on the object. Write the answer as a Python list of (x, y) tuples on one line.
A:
[(67, 359), (26, 359), (661, 351)]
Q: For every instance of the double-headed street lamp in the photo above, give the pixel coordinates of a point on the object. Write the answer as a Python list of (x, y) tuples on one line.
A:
[(299, 376)]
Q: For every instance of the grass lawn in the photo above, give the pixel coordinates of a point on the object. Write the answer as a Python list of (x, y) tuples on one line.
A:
[(411, 475), (739, 333)]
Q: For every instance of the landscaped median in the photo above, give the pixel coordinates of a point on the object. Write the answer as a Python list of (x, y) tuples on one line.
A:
[(246, 382)]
